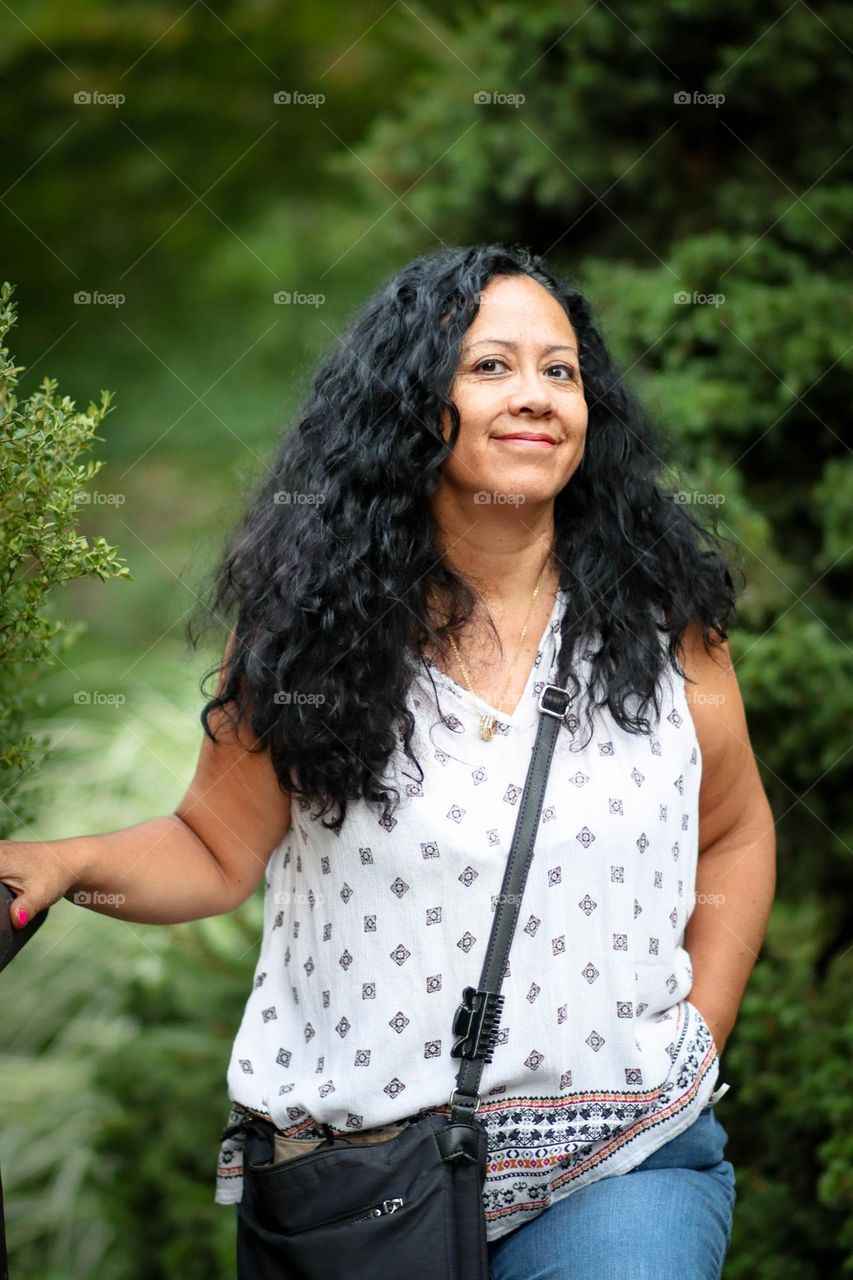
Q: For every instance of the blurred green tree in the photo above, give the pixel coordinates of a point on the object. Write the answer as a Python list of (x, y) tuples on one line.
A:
[(684, 166)]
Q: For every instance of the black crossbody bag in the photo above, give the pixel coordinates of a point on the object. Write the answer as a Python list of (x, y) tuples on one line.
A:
[(408, 1207)]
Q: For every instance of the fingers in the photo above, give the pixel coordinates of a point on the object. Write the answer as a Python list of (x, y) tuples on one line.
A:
[(21, 912), (32, 879)]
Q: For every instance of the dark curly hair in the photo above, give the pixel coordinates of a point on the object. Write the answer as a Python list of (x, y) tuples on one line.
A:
[(327, 578)]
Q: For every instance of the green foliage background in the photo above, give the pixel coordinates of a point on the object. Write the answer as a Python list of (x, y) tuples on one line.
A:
[(199, 198)]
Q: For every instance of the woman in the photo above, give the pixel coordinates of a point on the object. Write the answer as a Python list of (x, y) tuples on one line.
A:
[(468, 508)]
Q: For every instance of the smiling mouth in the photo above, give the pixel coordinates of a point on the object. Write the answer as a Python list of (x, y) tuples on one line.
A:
[(536, 441)]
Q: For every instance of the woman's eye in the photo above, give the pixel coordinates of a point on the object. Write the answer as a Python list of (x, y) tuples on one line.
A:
[(493, 360)]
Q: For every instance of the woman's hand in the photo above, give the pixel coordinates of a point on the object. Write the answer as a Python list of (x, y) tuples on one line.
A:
[(36, 874)]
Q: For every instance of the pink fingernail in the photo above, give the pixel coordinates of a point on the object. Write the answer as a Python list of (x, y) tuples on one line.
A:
[(23, 916)]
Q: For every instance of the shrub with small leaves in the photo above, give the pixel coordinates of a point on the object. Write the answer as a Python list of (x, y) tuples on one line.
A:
[(44, 467)]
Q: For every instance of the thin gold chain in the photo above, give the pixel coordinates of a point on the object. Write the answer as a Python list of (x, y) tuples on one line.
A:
[(487, 720)]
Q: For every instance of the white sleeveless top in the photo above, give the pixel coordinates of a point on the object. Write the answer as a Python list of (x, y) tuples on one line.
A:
[(371, 935)]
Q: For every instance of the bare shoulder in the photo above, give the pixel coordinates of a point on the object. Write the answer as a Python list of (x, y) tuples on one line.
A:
[(732, 794), (700, 664)]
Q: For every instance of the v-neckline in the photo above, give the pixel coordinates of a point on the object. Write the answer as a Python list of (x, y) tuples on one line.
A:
[(480, 704)]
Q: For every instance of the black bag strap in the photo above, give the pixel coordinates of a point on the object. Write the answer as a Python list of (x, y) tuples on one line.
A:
[(477, 1019)]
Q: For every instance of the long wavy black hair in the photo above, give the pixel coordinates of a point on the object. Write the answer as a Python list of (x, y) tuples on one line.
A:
[(326, 580)]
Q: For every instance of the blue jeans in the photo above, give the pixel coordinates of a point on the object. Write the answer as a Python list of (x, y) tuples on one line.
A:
[(671, 1216)]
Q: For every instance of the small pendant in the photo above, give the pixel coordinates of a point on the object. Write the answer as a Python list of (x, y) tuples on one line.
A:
[(487, 728)]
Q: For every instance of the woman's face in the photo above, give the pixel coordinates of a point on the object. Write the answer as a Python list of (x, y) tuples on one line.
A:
[(518, 372)]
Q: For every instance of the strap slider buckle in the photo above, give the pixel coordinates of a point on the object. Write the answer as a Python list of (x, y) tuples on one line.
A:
[(558, 701), (476, 1022)]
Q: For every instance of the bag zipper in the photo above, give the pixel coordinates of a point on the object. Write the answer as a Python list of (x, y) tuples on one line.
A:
[(377, 1211), (387, 1206)]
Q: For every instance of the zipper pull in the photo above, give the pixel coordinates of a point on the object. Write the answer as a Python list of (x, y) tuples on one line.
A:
[(379, 1210)]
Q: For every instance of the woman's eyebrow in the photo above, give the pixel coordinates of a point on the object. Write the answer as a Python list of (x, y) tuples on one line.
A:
[(504, 342)]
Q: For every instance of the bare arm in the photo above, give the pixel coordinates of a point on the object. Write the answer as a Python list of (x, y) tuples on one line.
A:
[(736, 874), (202, 860)]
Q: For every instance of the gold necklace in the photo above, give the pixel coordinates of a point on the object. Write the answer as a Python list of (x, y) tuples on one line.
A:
[(488, 721)]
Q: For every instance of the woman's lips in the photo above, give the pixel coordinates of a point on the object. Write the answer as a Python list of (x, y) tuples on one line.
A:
[(541, 443)]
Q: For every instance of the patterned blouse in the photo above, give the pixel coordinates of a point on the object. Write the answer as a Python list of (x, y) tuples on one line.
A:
[(371, 935)]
